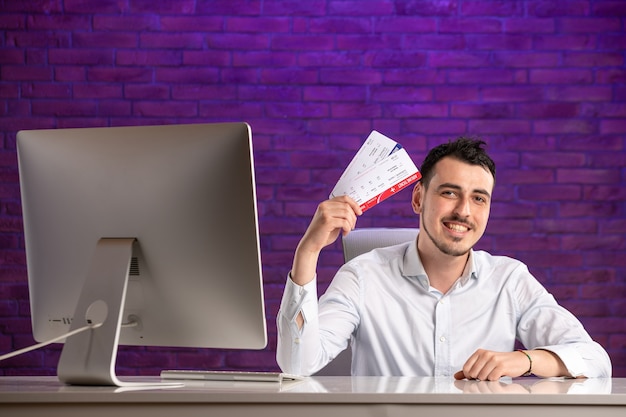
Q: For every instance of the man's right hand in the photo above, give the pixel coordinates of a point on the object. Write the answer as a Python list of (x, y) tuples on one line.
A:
[(332, 217)]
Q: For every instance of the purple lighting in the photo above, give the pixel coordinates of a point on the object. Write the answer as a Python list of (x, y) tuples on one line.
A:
[(543, 82)]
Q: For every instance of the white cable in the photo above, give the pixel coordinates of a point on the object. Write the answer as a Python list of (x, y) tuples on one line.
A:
[(56, 339), (48, 342)]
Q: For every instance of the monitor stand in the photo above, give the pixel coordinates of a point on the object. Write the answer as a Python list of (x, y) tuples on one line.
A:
[(88, 358)]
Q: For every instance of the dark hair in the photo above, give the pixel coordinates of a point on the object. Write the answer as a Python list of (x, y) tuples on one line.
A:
[(465, 149)]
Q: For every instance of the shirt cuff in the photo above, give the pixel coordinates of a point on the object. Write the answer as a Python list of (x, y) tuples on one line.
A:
[(570, 357), (295, 298)]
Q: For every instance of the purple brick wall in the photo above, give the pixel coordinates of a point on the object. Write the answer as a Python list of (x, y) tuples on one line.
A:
[(544, 82)]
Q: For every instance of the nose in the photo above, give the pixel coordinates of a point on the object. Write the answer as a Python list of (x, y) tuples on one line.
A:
[(463, 208)]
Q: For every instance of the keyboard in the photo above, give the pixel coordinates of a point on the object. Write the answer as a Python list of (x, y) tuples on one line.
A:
[(253, 376)]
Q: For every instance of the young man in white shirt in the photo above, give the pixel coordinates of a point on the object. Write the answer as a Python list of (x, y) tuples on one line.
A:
[(432, 307)]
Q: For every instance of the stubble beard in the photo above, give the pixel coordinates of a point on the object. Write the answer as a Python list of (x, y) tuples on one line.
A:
[(445, 248)]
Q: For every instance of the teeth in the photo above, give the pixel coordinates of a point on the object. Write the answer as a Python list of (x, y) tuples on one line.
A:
[(458, 228)]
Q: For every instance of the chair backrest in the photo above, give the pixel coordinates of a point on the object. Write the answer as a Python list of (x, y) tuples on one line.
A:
[(363, 240), (355, 243)]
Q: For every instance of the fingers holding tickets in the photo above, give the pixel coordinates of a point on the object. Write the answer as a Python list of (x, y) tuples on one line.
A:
[(332, 217)]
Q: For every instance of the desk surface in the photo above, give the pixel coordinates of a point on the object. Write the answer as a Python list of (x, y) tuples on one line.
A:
[(335, 395)]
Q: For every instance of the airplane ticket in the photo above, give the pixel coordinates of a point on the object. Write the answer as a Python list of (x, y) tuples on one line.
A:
[(380, 169), (376, 147)]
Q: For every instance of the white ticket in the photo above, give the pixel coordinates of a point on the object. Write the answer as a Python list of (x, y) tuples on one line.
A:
[(380, 169), (376, 147)]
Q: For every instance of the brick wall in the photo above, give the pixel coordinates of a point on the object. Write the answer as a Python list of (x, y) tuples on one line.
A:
[(543, 82)]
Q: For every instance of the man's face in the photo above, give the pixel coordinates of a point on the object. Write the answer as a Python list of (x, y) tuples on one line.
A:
[(454, 209)]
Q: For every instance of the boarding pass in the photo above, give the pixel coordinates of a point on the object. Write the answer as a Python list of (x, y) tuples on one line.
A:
[(381, 168)]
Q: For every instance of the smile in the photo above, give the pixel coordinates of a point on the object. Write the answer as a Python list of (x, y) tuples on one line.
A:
[(456, 227)]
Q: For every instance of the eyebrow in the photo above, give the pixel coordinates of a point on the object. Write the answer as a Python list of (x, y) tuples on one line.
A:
[(458, 187)]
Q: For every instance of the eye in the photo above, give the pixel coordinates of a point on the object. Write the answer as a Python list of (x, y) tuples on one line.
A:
[(480, 199)]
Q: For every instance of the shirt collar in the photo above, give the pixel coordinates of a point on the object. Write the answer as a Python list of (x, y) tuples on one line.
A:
[(413, 267)]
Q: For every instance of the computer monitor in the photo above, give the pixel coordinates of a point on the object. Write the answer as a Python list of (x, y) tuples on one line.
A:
[(155, 226)]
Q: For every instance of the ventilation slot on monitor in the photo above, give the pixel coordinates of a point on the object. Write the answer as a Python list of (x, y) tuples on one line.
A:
[(134, 267)]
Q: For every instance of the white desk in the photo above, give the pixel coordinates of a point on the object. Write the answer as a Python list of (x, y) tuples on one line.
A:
[(320, 396)]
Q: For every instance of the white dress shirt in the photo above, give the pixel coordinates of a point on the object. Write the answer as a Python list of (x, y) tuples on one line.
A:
[(398, 325)]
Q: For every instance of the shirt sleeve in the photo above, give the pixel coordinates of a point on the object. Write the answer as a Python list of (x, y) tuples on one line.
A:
[(327, 326), (544, 324), (587, 359), (296, 299)]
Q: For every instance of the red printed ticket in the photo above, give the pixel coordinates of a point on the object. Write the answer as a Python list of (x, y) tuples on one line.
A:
[(380, 169)]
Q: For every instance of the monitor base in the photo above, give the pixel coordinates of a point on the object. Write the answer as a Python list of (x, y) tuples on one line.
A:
[(88, 358)]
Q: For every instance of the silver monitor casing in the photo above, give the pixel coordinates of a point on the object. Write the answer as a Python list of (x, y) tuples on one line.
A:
[(182, 198)]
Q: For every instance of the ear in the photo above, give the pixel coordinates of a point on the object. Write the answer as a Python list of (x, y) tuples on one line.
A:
[(416, 200)]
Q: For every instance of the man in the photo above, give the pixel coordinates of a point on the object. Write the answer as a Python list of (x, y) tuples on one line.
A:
[(433, 307)]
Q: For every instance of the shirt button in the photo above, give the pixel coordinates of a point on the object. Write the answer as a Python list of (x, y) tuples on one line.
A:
[(296, 341), (442, 339)]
